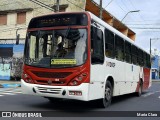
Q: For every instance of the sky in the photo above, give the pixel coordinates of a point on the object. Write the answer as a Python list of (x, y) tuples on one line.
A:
[(139, 22)]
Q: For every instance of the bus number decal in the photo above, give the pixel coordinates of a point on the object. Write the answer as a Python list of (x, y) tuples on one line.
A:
[(110, 64)]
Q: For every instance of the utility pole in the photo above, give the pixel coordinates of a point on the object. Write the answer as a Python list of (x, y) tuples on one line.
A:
[(57, 6), (101, 9)]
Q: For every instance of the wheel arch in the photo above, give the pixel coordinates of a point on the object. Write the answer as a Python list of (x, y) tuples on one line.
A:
[(111, 80)]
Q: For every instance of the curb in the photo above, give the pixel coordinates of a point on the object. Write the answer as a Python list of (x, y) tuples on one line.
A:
[(155, 80)]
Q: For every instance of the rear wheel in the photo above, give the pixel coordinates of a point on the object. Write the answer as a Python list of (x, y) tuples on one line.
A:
[(140, 89), (106, 101)]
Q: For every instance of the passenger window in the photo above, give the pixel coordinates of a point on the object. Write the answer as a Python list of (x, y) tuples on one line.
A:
[(145, 59), (119, 48), (148, 61), (109, 43), (134, 55), (140, 57), (128, 56)]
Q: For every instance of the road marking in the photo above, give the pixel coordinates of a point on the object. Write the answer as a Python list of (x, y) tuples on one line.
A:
[(7, 93), (157, 91), (150, 93), (10, 91), (159, 97)]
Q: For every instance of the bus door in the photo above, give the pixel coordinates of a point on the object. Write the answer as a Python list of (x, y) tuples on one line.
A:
[(97, 61)]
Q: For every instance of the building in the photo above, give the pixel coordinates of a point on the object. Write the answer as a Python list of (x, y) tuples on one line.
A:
[(156, 67), (14, 19)]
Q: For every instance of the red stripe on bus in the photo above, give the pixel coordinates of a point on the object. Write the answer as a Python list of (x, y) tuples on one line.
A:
[(146, 72)]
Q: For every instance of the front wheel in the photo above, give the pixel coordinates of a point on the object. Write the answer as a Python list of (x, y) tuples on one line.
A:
[(106, 101)]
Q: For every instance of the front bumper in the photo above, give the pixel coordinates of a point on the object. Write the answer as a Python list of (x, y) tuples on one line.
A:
[(55, 91)]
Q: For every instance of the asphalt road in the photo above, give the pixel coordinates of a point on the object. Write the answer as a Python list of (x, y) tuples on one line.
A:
[(149, 101)]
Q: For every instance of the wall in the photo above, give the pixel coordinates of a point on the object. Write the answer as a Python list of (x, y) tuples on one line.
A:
[(9, 31)]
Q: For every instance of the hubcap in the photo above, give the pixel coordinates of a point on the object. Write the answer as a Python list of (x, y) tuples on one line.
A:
[(107, 94)]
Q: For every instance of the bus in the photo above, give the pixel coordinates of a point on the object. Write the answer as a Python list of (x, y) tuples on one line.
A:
[(76, 55)]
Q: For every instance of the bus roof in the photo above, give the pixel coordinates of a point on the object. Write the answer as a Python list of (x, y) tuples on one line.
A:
[(106, 25)]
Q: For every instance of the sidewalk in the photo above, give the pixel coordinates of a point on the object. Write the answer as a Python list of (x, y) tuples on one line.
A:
[(158, 80), (9, 83)]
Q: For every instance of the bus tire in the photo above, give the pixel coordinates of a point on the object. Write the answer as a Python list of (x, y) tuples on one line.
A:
[(106, 101), (140, 89)]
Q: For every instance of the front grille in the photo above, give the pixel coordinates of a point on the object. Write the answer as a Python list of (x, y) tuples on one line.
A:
[(51, 74), (49, 90), (52, 82)]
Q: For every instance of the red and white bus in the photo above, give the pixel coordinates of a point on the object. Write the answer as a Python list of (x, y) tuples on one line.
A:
[(79, 56)]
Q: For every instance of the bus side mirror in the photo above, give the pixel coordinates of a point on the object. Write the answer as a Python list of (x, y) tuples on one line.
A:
[(17, 39)]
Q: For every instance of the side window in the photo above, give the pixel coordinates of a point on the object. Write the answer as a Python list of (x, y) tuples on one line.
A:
[(148, 61), (145, 59), (109, 43), (134, 55), (128, 57), (140, 57), (119, 48), (97, 47)]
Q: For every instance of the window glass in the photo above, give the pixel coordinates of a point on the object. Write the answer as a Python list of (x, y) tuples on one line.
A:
[(21, 18), (145, 59), (134, 55), (3, 19), (119, 48), (128, 52), (57, 48), (97, 47), (148, 61), (109, 43), (140, 57)]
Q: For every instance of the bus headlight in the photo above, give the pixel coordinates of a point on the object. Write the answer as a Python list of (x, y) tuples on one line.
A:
[(26, 78), (78, 79)]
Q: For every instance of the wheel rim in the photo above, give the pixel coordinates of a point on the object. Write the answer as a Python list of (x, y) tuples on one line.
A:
[(107, 94)]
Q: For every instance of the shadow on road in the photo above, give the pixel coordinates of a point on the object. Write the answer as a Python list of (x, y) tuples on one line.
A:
[(75, 105)]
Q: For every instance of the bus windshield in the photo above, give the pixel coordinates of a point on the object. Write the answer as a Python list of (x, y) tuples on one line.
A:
[(56, 48)]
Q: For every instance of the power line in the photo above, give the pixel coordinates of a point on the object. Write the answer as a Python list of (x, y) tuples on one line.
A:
[(143, 28), (125, 5), (143, 24), (120, 7), (75, 5), (42, 4), (143, 21), (108, 4)]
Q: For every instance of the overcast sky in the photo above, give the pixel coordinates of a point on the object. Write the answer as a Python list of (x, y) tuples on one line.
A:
[(148, 17)]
